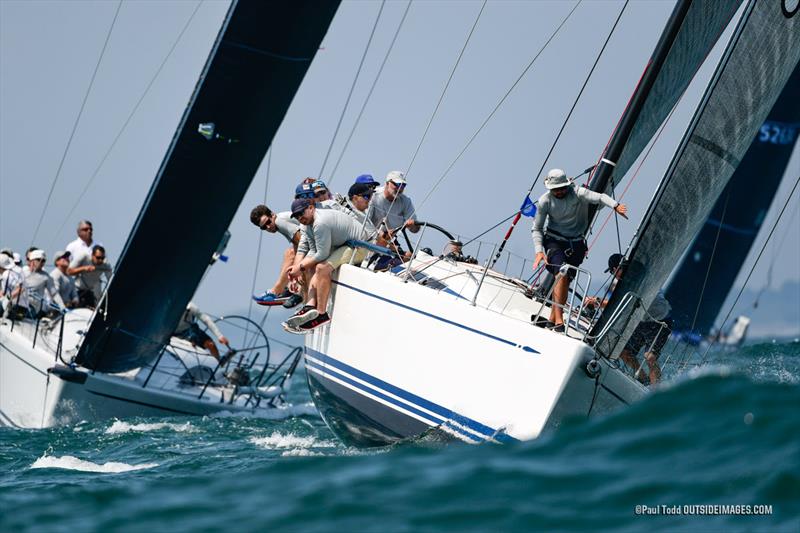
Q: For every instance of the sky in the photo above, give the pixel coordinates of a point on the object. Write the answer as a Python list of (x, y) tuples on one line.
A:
[(49, 51)]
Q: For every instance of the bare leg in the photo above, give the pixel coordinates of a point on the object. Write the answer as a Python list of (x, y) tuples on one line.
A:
[(629, 359), (212, 348), (559, 297), (322, 284), (283, 277), (655, 370)]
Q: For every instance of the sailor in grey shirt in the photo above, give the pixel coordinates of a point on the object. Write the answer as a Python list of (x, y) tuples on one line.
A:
[(565, 209), (89, 271), (391, 204), (40, 287), (65, 285)]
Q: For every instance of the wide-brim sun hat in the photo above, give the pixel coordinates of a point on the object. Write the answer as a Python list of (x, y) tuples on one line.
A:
[(556, 179)]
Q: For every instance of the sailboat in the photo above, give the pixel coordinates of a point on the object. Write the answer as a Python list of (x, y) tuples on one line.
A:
[(698, 287), (466, 360), (121, 359)]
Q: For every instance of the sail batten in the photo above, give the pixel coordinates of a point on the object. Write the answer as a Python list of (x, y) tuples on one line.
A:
[(237, 106), (754, 68)]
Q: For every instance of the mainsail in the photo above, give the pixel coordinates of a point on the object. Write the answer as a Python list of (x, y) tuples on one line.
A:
[(690, 34), (710, 267), (756, 65), (257, 63)]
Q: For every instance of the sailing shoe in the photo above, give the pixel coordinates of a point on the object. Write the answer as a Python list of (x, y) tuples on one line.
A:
[(293, 301), (289, 329), (270, 298), (306, 313), (558, 328), (314, 323)]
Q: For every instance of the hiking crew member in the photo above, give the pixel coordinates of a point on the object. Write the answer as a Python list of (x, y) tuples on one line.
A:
[(39, 285), (65, 285), (283, 223), (89, 269), (565, 209), (326, 232)]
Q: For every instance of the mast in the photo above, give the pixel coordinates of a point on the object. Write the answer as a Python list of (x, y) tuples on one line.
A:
[(602, 175)]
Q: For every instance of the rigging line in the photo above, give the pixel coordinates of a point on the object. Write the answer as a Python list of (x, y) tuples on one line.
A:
[(352, 88), (512, 215), (633, 178), (260, 239), (77, 121), (125, 124), (752, 269), (616, 221), (710, 262), (776, 250), (577, 98), (369, 94), (499, 103), (446, 86)]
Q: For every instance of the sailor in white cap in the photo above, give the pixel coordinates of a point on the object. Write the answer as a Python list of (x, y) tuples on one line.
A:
[(389, 204), (565, 210), (41, 290), (9, 282)]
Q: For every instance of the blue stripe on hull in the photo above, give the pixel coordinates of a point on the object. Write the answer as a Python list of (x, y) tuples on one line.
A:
[(435, 414)]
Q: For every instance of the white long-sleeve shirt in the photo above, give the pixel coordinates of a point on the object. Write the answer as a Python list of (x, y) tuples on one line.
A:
[(566, 217)]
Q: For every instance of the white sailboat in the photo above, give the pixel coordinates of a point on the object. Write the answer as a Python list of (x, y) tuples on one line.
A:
[(122, 359), (453, 347)]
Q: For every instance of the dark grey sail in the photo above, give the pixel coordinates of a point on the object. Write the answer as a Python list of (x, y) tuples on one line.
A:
[(735, 220), (256, 65), (756, 65), (690, 34)]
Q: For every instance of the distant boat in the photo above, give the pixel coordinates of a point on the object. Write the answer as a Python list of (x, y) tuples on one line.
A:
[(121, 360), (451, 346)]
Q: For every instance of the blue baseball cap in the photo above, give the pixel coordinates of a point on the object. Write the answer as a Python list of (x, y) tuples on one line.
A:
[(304, 190), (319, 184), (300, 205), (367, 179)]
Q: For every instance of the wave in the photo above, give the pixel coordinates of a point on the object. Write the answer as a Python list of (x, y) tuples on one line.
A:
[(282, 441), (124, 427), (69, 462)]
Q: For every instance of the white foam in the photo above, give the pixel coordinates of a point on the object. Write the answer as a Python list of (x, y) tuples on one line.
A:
[(68, 462), (123, 427), (283, 441)]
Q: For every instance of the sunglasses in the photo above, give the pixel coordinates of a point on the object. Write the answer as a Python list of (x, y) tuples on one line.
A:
[(320, 193), (267, 223), (366, 196)]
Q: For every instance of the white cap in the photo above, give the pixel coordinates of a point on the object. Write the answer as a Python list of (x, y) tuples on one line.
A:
[(60, 254), (16, 258), (36, 254), (396, 176), (556, 179), (5, 262)]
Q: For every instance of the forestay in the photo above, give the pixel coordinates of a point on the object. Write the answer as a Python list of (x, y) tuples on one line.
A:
[(735, 219), (255, 67), (756, 64)]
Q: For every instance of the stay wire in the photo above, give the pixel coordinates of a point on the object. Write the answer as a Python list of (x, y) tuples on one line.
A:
[(125, 124), (260, 239), (577, 98), (77, 121), (752, 269), (369, 94), (446, 86), (498, 105), (775, 253), (352, 88)]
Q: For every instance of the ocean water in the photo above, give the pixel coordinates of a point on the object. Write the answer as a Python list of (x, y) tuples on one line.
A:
[(726, 434)]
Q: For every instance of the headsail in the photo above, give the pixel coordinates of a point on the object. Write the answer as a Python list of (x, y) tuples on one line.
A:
[(256, 65), (756, 64), (690, 34), (736, 218)]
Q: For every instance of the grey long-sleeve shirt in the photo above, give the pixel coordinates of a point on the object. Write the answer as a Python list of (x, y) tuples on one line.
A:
[(303, 245), (568, 216), (330, 230)]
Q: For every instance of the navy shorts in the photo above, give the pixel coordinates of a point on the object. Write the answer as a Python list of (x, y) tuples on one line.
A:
[(195, 335), (560, 252), (649, 333)]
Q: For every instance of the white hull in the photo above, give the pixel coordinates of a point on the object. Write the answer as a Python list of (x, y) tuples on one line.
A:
[(36, 391), (400, 358)]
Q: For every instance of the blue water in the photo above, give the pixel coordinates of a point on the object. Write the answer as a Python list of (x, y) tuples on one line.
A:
[(726, 434)]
